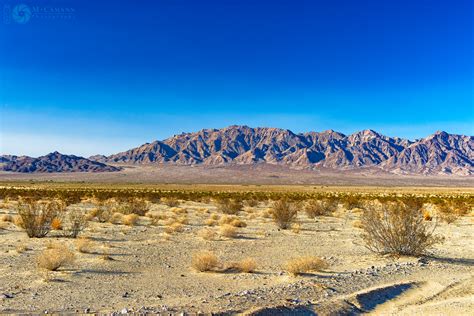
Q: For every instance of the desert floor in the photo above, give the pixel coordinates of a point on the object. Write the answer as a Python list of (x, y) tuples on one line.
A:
[(141, 268), (258, 174)]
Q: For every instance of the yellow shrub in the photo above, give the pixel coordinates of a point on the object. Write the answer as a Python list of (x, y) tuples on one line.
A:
[(304, 265), (205, 261), (228, 231), (55, 258)]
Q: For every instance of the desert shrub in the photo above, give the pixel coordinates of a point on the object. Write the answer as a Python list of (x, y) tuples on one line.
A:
[(296, 228), (228, 231), (171, 201), (427, 216), (116, 218), (204, 261), (130, 219), (134, 206), (251, 203), (229, 206), (102, 212), (183, 220), (247, 265), (352, 201), (304, 265), (57, 224), (54, 258), (450, 211), (210, 222), (84, 245), (314, 208), (76, 222), (37, 216), (237, 222), (174, 228), (207, 234), (284, 213), (21, 248), (397, 228), (6, 218)]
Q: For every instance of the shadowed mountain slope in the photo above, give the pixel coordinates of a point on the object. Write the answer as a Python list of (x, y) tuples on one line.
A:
[(440, 153)]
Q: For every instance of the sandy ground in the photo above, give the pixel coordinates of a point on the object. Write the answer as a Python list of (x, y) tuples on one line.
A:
[(151, 271), (245, 174)]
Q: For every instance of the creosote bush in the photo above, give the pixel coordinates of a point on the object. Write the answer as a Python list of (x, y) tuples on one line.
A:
[(75, 224), (134, 206), (314, 208), (229, 206), (37, 216), (284, 213), (397, 228), (171, 201)]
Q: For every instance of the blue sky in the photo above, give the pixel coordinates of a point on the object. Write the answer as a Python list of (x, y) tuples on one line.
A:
[(112, 75)]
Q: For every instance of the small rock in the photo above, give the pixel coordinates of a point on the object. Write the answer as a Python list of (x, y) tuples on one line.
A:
[(6, 295)]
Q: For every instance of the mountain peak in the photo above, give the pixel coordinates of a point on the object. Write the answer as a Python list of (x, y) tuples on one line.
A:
[(241, 144)]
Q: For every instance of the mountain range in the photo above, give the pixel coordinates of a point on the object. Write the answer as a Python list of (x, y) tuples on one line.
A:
[(440, 153)]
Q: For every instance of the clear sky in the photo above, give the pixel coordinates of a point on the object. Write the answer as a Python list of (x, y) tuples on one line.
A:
[(113, 75)]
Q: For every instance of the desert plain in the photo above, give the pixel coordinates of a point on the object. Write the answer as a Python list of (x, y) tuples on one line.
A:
[(146, 263)]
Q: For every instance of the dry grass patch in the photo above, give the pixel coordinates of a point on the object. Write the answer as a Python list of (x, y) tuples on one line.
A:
[(178, 210), (205, 261), (130, 219), (296, 228), (6, 218), (170, 201), (228, 231), (84, 245), (304, 265), (238, 223), (3, 225), (174, 228), (54, 258), (314, 208), (229, 206), (207, 234), (247, 265), (21, 248), (210, 222)]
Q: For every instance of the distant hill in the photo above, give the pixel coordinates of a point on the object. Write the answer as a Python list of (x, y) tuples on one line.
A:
[(53, 162), (440, 153)]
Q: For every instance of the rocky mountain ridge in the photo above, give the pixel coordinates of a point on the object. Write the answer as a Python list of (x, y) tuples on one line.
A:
[(440, 153), (437, 154), (53, 162)]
